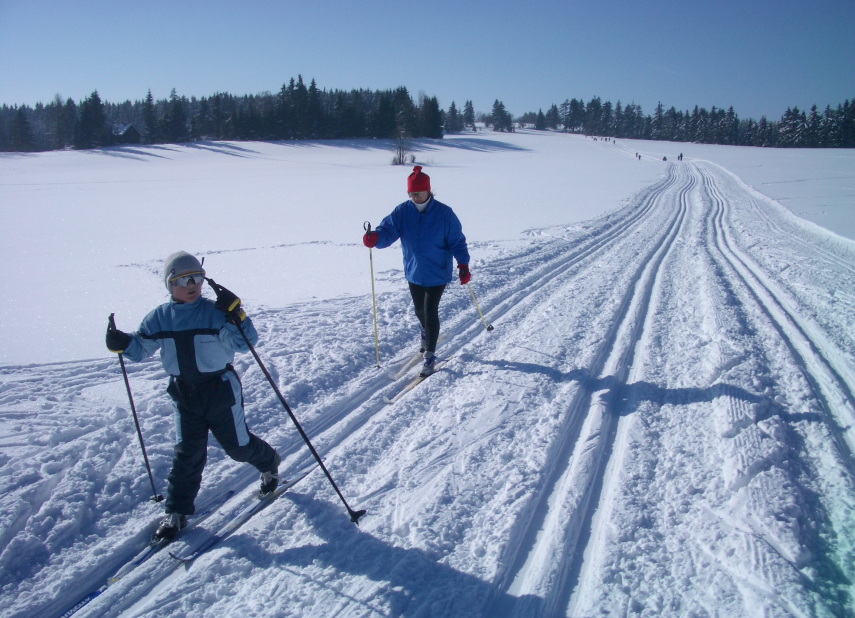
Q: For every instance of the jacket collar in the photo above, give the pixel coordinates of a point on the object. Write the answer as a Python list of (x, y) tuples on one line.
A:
[(428, 204), (179, 306)]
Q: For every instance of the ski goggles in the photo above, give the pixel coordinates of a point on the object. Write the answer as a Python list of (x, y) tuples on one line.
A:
[(183, 281)]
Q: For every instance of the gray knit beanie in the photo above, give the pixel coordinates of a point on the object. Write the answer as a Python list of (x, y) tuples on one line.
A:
[(177, 263)]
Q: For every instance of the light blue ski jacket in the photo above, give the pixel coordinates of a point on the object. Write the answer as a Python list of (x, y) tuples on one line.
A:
[(429, 239), (196, 343)]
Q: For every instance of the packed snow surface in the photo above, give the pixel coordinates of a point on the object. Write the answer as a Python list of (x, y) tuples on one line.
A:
[(661, 423)]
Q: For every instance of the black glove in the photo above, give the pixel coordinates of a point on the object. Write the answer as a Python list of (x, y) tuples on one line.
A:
[(117, 341), (227, 302)]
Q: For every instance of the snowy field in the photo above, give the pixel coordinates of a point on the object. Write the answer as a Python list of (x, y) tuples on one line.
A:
[(662, 422)]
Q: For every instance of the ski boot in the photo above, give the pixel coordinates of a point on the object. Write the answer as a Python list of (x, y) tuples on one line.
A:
[(269, 480), (169, 526), (428, 364)]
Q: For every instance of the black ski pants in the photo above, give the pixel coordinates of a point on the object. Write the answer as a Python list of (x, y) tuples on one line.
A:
[(426, 302), (215, 406)]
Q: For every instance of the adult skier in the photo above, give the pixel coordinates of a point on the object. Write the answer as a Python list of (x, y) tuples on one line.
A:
[(197, 342), (430, 235)]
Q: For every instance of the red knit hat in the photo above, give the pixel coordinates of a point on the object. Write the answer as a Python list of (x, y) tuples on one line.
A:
[(417, 181)]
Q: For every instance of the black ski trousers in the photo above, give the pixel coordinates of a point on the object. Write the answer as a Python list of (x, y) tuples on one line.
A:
[(426, 303), (215, 406)]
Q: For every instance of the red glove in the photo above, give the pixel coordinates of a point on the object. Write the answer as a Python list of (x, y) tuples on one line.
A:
[(370, 239), (464, 273)]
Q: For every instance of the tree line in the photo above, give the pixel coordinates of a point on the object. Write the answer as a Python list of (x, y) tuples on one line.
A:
[(831, 128), (296, 112)]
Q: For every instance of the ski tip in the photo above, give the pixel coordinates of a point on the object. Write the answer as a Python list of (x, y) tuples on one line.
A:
[(387, 400), (355, 515), (490, 327)]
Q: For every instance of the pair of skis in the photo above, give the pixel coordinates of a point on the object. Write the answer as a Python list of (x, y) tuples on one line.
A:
[(410, 385), (405, 367), (154, 546), (242, 517)]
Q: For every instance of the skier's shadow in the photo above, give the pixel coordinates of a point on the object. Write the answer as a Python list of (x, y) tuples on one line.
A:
[(407, 582), (659, 395)]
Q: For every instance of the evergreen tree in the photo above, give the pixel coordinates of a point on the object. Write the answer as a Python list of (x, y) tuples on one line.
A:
[(501, 119), (731, 127), (91, 130), (468, 115), (354, 119), (789, 128), (565, 115), (149, 118), (593, 111), (453, 120), (812, 129), (314, 113), (577, 116), (620, 121), (21, 133), (552, 118), (607, 119), (659, 122), (540, 122), (65, 122), (285, 111), (385, 123), (202, 123), (846, 122), (431, 118), (300, 110), (406, 118), (174, 123)]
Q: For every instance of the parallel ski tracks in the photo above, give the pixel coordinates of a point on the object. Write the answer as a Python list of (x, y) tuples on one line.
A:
[(832, 390), (543, 554), (349, 415), (352, 413)]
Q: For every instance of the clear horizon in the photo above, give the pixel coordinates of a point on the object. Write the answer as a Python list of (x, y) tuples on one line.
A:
[(760, 58)]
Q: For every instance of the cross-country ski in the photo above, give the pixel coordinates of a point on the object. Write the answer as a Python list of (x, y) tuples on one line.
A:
[(241, 518), (413, 383)]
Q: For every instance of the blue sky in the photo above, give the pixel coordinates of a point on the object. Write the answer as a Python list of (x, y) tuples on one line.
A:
[(760, 57)]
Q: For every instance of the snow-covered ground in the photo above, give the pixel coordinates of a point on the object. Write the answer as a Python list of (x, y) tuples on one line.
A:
[(661, 423)]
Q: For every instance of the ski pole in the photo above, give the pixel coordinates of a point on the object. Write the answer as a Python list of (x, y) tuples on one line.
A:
[(354, 515), (156, 497), (367, 227), (490, 327)]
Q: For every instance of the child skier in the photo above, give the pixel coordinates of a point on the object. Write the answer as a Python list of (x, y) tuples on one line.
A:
[(198, 339), (430, 235)]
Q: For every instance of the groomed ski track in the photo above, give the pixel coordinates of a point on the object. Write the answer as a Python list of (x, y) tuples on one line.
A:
[(662, 423)]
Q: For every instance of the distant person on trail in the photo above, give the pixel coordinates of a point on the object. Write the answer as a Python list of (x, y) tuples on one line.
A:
[(198, 338), (430, 235)]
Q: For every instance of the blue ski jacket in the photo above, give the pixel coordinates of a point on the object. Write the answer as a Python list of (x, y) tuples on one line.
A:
[(429, 239), (196, 342)]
